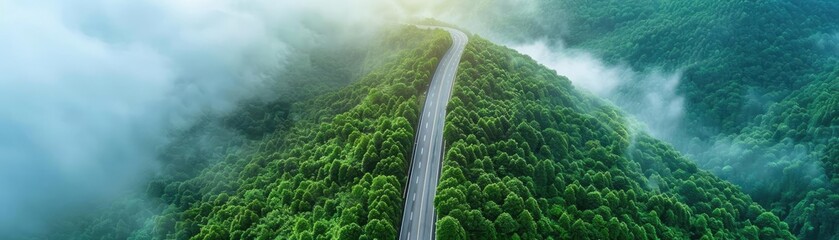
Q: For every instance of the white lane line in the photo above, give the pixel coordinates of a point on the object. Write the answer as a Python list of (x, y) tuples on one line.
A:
[(412, 216), (420, 167), (424, 192), (446, 76), (414, 199)]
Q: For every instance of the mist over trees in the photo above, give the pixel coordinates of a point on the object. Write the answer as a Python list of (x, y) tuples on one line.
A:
[(219, 119), (94, 91), (756, 78), (530, 157), (326, 165)]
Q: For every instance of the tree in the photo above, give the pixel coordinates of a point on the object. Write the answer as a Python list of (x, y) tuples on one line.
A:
[(527, 225), (349, 232), (380, 229), (505, 224), (513, 204), (450, 228)]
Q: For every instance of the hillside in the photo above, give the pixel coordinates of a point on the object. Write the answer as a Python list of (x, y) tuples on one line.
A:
[(419, 119), (738, 57), (787, 159), (530, 157), (570, 165), (758, 78), (330, 164)]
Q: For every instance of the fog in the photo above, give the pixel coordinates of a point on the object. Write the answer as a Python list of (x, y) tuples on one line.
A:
[(828, 43), (650, 96), (90, 90)]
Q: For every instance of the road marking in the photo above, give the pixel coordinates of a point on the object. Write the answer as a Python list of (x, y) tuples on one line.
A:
[(424, 192), (442, 77)]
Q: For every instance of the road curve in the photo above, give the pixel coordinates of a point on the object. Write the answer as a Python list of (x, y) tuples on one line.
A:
[(419, 217)]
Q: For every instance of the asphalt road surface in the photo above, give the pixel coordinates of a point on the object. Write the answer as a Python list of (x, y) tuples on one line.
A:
[(419, 217)]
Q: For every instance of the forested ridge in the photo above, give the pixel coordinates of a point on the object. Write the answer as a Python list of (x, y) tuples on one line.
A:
[(338, 172), (738, 57), (568, 119), (530, 157), (758, 77), (787, 159), (330, 166)]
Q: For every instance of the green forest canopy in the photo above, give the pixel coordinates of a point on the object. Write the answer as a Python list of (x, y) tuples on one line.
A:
[(530, 157), (759, 78)]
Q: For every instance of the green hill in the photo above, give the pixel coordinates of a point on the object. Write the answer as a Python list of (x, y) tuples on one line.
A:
[(787, 159), (738, 57), (758, 77), (318, 162), (527, 156)]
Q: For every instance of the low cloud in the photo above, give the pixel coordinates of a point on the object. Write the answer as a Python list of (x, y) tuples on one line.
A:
[(828, 43), (90, 89), (649, 96)]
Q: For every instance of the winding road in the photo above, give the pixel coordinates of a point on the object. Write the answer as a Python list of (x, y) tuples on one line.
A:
[(419, 217)]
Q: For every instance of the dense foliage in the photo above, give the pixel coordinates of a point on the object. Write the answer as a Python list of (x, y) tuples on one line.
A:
[(787, 159), (338, 172), (529, 157), (737, 56), (758, 78), (333, 166)]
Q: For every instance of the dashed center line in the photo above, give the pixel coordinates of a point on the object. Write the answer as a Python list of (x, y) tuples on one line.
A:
[(434, 112)]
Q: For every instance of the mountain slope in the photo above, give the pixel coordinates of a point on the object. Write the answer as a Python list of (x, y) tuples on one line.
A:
[(530, 157), (787, 158), (337, 173), (758, 78), (330, 166), (738, 57)]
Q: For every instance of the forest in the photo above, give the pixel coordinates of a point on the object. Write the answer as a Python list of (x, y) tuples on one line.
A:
[(326, 165), (529, 157), (759, 81), (527, 153)]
